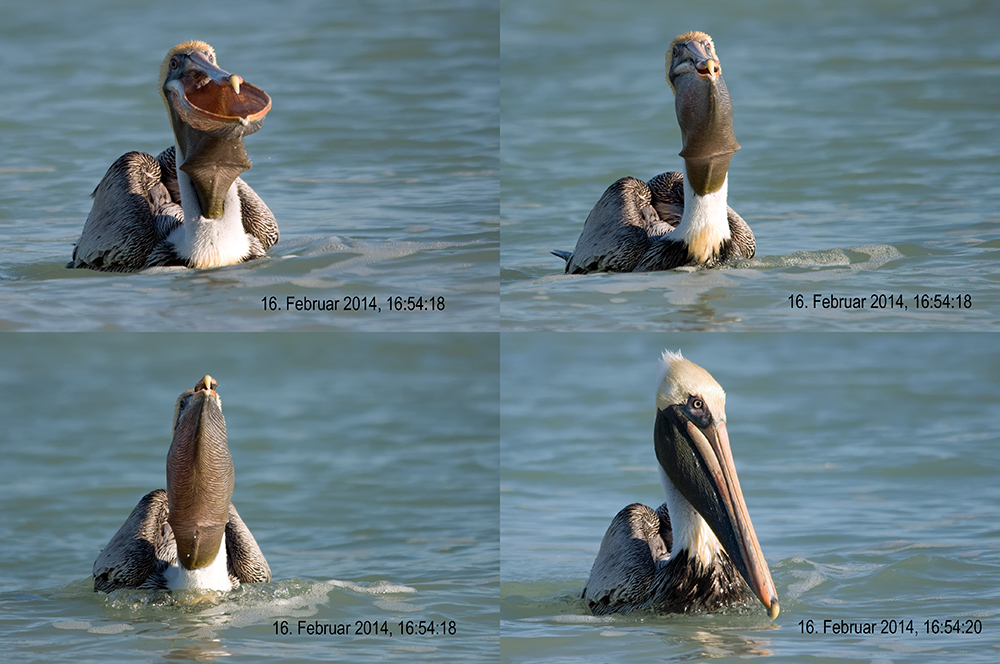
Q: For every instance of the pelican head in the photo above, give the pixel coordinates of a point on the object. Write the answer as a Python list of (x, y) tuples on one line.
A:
[(704, 110), (211, 111), (200, 477), (692, 446)]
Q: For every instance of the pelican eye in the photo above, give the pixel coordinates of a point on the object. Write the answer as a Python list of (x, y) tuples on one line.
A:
[(698, 410), (697, 406), (174, 62)]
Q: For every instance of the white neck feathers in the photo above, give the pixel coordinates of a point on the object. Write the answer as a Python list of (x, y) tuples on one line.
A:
[(205, 242), (690, 532), (705, 223), (212, 577)]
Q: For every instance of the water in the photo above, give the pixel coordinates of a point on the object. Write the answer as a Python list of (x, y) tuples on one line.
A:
[(461, 463), (366, 468), (868, 161), (379, 159), (868, 463)]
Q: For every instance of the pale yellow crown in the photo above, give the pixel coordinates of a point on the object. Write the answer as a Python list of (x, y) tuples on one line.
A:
[(185, 48), (682, 379), (694, 35)]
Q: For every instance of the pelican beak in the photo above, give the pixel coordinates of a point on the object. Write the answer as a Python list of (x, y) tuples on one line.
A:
[(199, 62), (703, 60), (704, 112), (211, 111), (697, 459), (209, 98), (200, 476)]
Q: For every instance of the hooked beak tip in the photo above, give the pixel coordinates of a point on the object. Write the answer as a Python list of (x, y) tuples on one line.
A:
[(207, 384), (235, 82), (774, 609), (709, 69)]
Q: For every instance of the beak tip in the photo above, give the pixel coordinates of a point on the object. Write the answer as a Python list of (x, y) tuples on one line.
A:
[(709, 69), (774, 609)]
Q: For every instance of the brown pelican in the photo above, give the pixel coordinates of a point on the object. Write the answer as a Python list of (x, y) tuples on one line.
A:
[(675, 219), (698, 551), (190, 535), (198, 213)]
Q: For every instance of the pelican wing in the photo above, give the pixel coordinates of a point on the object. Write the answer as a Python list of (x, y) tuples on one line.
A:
[(245, 560), (133, 212), (168, 173), (627, 219), (144, 547), (614, 237), (258, 221), (744, 244), (666, 192), (634, 550), (139, 550)]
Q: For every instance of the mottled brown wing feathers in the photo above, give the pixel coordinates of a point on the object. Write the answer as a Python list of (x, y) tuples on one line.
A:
[(246, 562), (130, 558), (258, 222), (627, 219), (123, 207), (633, 552)]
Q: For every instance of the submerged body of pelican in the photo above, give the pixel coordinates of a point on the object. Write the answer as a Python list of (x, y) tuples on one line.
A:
[(698, 551), (188, 536), (676, 219), (187, 206)]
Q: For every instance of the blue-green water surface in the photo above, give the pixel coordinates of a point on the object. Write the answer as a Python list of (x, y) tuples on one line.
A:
[(379, 159), (868, 165), (366, 468), (868, 462)]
